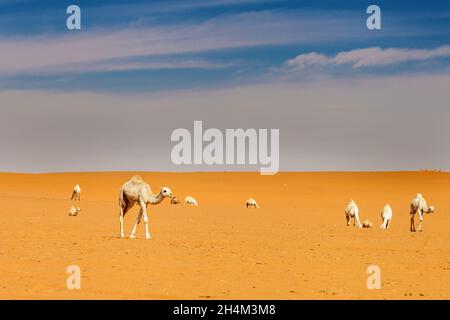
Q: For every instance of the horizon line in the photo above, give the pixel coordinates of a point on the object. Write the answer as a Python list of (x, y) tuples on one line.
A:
[(231, 172)]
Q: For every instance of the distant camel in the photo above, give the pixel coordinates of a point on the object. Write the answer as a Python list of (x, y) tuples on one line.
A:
[(251, 203), (191, 201), (136, 191), (174, 200), (76, 193), (419, 205), (352, 211), (386, 216), (367, 224), (74, 211)]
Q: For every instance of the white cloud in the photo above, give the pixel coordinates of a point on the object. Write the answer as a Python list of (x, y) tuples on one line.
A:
[(368, 57), (309, 59)]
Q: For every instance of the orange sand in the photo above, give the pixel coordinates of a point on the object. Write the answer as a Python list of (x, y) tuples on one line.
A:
[(296, 246)]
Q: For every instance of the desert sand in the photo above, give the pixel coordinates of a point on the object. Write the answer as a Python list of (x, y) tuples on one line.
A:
[(296, 246)]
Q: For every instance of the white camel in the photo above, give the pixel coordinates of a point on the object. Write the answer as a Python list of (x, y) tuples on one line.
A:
[(352, 211), (76, 193), (190, 200), (251, 203), (136, 191), (73, 211), (419, 205), (386, 216)]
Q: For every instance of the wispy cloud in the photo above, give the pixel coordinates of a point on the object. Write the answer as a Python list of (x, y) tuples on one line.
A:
[(129, 65), (92, 48), (174, 6), (368, 57)]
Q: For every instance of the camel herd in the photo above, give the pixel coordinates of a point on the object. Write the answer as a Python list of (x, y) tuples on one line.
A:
[(137, 191), (418, 205), (76, 195)]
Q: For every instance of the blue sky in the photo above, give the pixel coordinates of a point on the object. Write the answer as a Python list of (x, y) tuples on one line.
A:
[(147, 46), (109, 96)]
